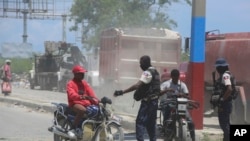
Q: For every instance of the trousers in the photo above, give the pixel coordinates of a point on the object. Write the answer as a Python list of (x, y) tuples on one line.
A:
[(146, 119), (224, 111)]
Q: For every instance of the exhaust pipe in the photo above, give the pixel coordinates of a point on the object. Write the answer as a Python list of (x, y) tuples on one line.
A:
[(62, 132)]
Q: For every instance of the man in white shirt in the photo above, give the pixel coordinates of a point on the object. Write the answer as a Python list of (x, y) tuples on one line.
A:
[(175, 87)]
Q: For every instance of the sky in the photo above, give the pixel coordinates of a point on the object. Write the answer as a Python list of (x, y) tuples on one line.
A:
[(225, 15)]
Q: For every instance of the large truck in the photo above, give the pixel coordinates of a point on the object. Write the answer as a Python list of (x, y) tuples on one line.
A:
[(52, 70), (120, 51), (235, 48)]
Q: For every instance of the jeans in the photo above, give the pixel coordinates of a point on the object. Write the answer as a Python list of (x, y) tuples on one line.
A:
[(146, 118), (224, 111)]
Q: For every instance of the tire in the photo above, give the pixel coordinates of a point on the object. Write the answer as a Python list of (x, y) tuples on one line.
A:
[(169, 132), (32, 86), (115, 132), (183, 130), (64, 124), (60, 86), (42, 83)]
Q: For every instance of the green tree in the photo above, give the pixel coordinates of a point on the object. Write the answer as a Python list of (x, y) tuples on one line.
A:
[(19, 65), (96, 15)]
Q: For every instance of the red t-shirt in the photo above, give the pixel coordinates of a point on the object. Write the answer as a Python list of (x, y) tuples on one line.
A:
[(75, 89)]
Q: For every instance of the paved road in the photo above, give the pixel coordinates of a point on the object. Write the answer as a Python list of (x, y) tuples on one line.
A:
[(30, 124), (38, 99), (19, 123)]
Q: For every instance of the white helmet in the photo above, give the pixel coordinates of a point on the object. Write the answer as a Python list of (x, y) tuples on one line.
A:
[(7, 61)]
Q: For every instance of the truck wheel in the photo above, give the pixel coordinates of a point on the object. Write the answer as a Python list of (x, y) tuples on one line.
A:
[(32, 86), (32, 83), (61, 86), (42, 84)]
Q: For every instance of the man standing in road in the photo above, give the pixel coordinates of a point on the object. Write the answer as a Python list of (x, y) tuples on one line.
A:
[(224, 99), (148, 87)]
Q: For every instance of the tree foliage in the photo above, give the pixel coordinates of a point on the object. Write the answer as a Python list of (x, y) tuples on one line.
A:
[(19, 65), (96, 15)]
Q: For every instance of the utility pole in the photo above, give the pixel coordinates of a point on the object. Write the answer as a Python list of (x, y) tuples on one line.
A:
[(33, 9), (197, 58), (25, 36), (64, 17)]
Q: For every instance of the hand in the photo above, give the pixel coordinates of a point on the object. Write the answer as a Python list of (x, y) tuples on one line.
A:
[(118, 93), (179, 95), (166, 90), (170, 90), (83, 97), (194, 104), (216, 98)]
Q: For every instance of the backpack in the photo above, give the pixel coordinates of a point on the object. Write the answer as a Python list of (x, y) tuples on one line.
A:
[(141, 92)]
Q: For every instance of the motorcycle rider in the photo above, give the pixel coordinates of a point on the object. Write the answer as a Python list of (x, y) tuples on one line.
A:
[(78, 92), (176, 86)]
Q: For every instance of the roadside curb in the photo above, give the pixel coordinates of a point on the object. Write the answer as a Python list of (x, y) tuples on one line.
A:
[(27, 103), (128, 122)]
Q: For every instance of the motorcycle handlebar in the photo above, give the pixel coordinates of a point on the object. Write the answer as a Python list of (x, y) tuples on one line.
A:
[(191, 103), (104, 100)]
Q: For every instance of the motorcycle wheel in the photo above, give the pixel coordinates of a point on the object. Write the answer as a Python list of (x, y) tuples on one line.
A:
[(64, 124), (183, 133), (114, 133), (169, 131)]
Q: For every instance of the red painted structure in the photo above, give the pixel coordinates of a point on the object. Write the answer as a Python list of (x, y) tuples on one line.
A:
[(196, 72), (235, 48)]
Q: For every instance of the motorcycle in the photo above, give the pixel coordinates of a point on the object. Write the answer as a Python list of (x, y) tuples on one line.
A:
[(176, 127), (103, 126)]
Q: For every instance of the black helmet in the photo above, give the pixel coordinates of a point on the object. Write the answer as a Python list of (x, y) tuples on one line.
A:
[(221, 62)]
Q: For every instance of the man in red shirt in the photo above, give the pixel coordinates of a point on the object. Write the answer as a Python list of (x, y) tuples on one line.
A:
[(79, 91)]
